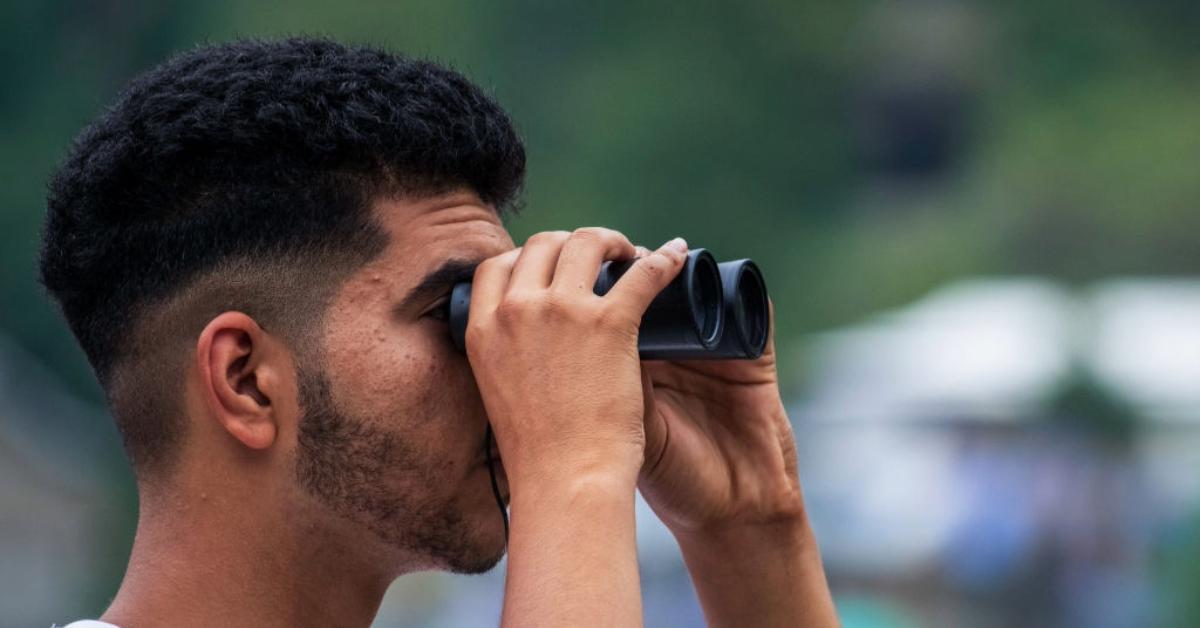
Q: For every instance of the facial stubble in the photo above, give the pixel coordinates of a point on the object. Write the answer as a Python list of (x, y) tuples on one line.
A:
[(345, 462)]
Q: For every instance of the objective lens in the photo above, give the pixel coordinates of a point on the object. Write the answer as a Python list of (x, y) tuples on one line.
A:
[(746, 303)]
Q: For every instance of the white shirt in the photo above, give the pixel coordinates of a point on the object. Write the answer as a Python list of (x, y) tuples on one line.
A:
[(89, 623)]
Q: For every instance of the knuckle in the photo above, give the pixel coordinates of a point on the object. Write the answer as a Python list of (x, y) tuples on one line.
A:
[(525, 306), (598, 232), (599, 236), (556, 302), (592, 315), (560, 305), (585, 235), (487, 264), (476, 338), (571, 309), (501, 260), (548, 237), (616, 319), (513, 308)]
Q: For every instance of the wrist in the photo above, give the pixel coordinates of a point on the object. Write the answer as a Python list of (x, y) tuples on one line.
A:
[(615, 467), (769, 571), (776, 509), (572, 551), (603, 486), (791, 533)]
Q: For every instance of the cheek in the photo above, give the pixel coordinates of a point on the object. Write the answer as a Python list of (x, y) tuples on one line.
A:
[(410, 380), (447, 391)]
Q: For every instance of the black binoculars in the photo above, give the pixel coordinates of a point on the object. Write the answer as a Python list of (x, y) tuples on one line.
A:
[(710, 311)]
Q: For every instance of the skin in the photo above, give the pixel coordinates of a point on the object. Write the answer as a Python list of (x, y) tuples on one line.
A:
[(570, 433), (307, 484), (721, 473)]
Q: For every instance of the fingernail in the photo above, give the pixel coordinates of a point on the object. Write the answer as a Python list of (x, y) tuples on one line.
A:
[(678, 244)]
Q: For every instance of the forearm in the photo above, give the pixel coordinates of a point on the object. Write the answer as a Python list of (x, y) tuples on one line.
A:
[(767, 575), (572, 556)]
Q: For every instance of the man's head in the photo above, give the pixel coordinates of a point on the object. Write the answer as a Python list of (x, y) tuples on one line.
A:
[(251, 246)]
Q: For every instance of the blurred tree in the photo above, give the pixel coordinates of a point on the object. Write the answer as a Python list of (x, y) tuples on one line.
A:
[(1066, 130)]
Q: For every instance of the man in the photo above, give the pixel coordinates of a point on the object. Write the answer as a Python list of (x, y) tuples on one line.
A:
[(254, 247)]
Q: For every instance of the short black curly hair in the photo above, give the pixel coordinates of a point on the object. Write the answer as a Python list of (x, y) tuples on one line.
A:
[(255, 162)]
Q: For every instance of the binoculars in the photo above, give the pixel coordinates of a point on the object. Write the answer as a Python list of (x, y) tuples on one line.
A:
[(710, 311)]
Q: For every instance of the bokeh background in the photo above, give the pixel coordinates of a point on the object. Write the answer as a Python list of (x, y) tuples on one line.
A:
[(978, 222)]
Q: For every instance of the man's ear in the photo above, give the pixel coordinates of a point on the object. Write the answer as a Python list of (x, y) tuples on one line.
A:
[(240, 378)]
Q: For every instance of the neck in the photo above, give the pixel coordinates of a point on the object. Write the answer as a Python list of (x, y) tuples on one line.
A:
[(216, 560)]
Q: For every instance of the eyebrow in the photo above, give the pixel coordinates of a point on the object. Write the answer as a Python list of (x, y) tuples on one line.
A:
[(439, 281)]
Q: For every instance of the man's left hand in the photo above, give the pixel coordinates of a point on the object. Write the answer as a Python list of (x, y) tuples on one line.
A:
[(719, 447)]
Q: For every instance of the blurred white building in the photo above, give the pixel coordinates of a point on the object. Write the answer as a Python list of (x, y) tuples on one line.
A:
[(973, 350), (994, 349), (1146, 344), (890, 426)]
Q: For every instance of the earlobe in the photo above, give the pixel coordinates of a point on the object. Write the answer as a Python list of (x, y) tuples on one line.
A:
[(234, 357)]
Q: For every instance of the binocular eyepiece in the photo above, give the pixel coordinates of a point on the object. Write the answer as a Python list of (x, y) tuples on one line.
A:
[(710, 311)]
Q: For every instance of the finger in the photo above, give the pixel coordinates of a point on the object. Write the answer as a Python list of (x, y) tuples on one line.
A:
[(535, 267), (490, 282), (642, 251), (648, 276), (579, 262)]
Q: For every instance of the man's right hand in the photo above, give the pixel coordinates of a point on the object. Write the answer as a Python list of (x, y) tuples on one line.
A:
[(558, 370), (557, 366)]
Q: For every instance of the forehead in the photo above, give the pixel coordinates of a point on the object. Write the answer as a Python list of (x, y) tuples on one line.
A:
[(423, 233)]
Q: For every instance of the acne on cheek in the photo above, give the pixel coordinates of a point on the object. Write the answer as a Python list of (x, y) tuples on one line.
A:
[(433, 385), (392, 375), (382, 370), (372, 366)]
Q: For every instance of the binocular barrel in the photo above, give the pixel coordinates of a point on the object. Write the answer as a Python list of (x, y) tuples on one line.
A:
[(686, 317), (709, 311)]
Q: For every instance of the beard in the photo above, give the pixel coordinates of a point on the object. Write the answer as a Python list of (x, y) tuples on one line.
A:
[(344, 462)]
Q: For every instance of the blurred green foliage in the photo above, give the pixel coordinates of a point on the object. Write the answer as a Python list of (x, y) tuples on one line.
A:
[(737, 125)]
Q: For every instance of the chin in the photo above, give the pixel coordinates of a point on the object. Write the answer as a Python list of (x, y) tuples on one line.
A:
[(482, 564), (469, 541), (482, 556)]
